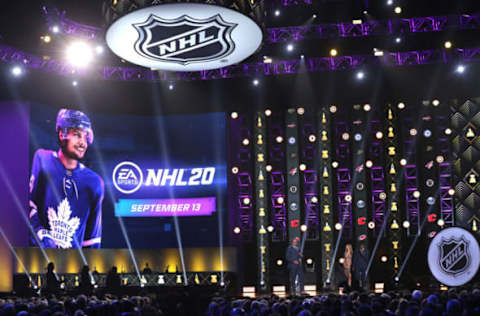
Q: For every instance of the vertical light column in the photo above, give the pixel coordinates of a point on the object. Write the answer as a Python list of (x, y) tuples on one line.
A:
[(293, 178), (261, 203), (393, 187), (325, 180)]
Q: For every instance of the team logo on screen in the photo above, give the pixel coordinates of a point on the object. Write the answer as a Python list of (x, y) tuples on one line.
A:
[(454, 256), (184, 40), (62, 225), (127, 177)]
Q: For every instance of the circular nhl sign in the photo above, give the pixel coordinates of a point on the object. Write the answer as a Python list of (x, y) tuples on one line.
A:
[(454, 256), (184, 37)]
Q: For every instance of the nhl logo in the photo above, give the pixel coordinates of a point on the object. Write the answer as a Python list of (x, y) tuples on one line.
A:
[(184, 40), (454, 255)]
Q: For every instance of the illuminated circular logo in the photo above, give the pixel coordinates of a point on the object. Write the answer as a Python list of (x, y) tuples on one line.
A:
[(454, 256), (184, 37), (127, 177)]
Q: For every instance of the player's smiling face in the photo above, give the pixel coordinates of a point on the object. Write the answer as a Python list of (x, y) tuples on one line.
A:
[(76, 143)]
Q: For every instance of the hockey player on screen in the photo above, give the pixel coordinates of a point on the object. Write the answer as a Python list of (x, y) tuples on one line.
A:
[(65, 196)]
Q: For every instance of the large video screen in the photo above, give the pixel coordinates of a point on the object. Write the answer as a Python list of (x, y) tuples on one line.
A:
[(113, 181)]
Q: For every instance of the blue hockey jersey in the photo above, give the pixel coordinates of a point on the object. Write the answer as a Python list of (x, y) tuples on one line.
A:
[(65, 205)]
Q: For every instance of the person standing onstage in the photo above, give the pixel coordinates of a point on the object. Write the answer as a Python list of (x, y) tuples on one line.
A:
[(347, 263), (295, 267), (360, 263)]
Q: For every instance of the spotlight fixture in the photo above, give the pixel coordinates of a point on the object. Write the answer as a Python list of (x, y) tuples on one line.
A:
[(314, 199), (17, 71), (447, 44), (280, 200), (312, 138), (333, 52), (389, 2), (289, 47), (171, 86), (55, 29), (406, 224), (302, 167), (333, 108), (277, 12), (371, 225), (334, 164), (448, 131), (441, 222), (300, 111), (401, 105), (303, 228), (235, 170), (255, 82), (279, 139), (338, 226), (74, 83), (345, 136), (368, 164), (268, 112), (383, 258), (403, 162), (46, 39), (236, 230), (413, 132), (360, 75), (460, 69), (379, 135), (440, 159), (416, 194), (377, 52), (234, 115), (268, 168), (99, 49), (314, 16), (279, 262), (302, 56), (246, 201), (436, 102), (367, 107), (348, 198), (267, 60), (309, 261), (79, 54), (341, 260), (270, 228), (451, 191), (245, 142), (398, 40), (398, 10)]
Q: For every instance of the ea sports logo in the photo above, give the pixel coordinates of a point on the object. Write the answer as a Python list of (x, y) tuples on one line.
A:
[(127, 177)]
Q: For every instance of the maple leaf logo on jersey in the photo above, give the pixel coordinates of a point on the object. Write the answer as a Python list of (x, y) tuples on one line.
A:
[(62, 227)]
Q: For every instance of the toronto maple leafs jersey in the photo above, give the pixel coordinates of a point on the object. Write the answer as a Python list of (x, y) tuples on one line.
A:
[(65, 205)]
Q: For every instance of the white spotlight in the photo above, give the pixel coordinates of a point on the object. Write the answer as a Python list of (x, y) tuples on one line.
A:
[(270, 228), (79, 54), (398, 10), (383, 259), (255, 82), (441, 222), (302, 56), (74, 83), (406, 224), (403, 162), (398, 40), (338, 226), (447, 44), (55, 29), (236, 230), (401, 105), (234, 115), (268, 112), (461, 69), (289, 47), (277, 12), (302, 167), (245, 142), (389, 2), (436, 102), (279, 139), (99, 49), (379, 135), (303, 228), (314, 16), (171, 86), (17, 71), (360, 75)]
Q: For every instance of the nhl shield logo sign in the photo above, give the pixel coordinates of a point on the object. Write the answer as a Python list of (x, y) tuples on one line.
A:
[(184, 37), (454, 255), (185, 40)]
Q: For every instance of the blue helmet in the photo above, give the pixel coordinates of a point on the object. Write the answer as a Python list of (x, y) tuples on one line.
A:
[(67, 118)]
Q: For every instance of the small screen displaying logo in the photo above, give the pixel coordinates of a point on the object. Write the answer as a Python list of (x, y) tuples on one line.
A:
[(184, 37), (453, 256)]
